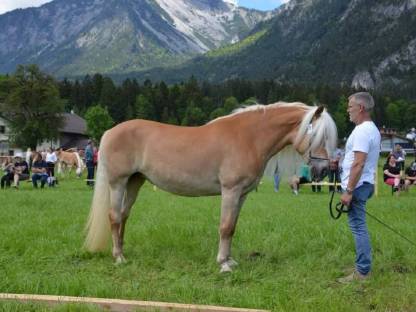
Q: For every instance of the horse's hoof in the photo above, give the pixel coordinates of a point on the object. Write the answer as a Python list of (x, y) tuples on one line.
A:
[(120, 260), (231, 262), (225, 268)]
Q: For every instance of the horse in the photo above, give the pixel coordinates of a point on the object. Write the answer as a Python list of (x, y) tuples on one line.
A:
[(68, 160), (226, 157)]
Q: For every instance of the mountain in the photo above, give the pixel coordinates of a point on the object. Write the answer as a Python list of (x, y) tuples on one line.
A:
[(363, 43), (76, 37)]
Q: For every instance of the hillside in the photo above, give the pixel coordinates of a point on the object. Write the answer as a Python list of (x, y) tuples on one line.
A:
[(347, 42)]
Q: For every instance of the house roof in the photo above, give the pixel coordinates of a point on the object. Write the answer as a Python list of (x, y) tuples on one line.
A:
[(74, 124)]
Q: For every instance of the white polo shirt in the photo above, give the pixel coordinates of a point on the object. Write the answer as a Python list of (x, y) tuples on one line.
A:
[(364, 138)]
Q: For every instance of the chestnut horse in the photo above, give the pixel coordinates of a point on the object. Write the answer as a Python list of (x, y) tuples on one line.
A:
[(68, 160), (225, 157)]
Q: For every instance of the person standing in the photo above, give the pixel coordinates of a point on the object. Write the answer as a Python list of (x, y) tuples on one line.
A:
[(89, 159), (357, 178), (276, 177), (334, 172), (51, 160)]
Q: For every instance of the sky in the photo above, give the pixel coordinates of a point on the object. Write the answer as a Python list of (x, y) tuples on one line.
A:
[(8, 5)]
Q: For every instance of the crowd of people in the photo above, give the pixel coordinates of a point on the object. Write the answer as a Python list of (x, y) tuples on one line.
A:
[(39, 167), (396, 174), (314, 173)]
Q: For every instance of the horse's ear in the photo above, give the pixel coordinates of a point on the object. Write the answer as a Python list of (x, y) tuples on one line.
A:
[(318, 112)]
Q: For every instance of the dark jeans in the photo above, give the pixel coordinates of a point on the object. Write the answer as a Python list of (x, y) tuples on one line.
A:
[(334, 175), (43, 177), (6, 180), (90, 173), (51, 169), (316, 188)]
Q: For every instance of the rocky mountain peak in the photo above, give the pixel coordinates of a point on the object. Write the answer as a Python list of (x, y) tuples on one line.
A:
[(75, 37)]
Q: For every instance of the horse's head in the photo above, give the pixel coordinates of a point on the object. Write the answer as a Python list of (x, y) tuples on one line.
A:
[(316, 140)]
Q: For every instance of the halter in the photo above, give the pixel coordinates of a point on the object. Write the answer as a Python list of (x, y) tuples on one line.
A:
[(310, 156)]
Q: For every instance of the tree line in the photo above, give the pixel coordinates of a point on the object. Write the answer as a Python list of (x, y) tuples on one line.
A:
[(30, 97)]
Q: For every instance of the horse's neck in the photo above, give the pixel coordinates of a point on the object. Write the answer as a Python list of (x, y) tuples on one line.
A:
[(274, 129)]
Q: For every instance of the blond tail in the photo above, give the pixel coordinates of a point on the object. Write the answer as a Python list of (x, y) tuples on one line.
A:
[(98, 225)]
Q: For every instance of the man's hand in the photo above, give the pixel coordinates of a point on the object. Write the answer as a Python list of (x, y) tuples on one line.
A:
[(346, 199)]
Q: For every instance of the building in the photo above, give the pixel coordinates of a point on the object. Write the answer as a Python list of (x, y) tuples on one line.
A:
[(389, 140), (72, 135)]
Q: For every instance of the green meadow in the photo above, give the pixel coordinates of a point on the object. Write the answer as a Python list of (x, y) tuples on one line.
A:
[(290, 252)]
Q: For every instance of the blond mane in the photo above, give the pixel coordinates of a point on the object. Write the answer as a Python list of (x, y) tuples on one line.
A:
[(258, 107)]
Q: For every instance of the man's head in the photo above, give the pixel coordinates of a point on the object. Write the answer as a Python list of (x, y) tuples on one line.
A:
[(360, 106)]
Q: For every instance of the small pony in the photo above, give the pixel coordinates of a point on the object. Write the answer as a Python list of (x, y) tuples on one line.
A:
[(225, 157)]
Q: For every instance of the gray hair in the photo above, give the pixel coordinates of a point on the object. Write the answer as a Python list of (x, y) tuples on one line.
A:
[(363, 98)]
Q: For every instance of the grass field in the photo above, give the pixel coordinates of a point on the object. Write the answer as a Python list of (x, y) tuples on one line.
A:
[(290, 252)]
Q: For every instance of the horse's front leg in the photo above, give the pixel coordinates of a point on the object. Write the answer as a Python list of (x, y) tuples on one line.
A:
[(230, 209)]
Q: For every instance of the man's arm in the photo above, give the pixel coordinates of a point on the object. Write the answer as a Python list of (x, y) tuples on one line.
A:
[(38, 170), (355, 174)]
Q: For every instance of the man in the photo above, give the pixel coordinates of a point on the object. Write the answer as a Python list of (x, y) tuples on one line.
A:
[(357, 178), (89, 159)]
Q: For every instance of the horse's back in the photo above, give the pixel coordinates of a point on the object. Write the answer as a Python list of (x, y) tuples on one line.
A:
[(165, 154)]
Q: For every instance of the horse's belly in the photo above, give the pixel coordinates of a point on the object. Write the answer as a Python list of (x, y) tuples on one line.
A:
[(186, 186)]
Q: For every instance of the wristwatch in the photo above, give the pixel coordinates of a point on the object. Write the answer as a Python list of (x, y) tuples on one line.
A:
[(349, 191)]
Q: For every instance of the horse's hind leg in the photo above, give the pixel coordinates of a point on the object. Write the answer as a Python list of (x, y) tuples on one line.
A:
[(117, 192), (133, 185), (230, 210)]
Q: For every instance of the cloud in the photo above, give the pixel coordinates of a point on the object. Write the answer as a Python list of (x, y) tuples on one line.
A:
[(8, 5)]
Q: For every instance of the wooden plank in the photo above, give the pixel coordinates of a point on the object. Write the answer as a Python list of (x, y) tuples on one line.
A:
[(121, 305)]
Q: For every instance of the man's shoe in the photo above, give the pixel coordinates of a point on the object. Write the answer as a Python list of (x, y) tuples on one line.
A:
[(354, 276)]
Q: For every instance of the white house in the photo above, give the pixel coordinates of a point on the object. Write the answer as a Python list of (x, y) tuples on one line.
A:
[(5, 147)]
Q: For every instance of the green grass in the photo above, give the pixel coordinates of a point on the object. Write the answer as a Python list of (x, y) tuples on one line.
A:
[(289, 251)]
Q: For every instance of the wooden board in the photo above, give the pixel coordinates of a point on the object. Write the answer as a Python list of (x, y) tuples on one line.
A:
[(121, 305)]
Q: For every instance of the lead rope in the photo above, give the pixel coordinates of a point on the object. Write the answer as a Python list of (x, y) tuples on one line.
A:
[(341, 208)]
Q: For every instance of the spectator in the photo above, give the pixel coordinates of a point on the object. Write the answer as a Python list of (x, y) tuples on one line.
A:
[(95, 157), (39, 170), (89, 159), (411, 135), (334, 172), (304, 177), (276, 177), (8, 168), (410, 176), (319, 170), (391, 171), (21, 170), (400, 155), (51, 160)]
